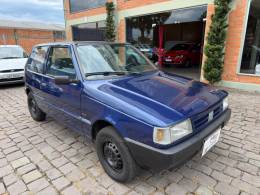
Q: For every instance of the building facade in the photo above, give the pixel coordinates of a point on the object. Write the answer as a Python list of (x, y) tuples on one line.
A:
[(28, 34), (140, 22)]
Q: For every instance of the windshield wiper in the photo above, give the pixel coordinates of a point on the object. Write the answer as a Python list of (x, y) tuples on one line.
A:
[(105, 73)]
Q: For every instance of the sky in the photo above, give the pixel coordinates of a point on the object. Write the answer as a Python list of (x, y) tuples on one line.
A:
[(48, 11)]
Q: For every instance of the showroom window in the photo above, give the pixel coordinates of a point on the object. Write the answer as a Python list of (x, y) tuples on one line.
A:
[(251, 52), (89, 32), (81, 5)]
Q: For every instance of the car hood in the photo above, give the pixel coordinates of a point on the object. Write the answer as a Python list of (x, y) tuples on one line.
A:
[(159, 98), (9, 64)]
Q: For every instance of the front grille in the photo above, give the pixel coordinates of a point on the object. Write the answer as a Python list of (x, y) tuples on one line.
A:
[(13, 70), (202, 120), (13, 79)]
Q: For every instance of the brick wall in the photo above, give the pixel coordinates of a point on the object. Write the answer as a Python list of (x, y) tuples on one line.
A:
[(235, 32), (26, 38)]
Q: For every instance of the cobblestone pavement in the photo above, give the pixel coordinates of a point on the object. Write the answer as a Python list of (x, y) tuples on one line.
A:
[(46, 158)]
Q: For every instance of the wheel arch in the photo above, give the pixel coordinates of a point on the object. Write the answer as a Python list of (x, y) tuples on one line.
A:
[(99, 125)]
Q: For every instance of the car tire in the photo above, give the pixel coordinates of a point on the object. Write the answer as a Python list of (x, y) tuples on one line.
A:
[(34, 110), (109, 144)]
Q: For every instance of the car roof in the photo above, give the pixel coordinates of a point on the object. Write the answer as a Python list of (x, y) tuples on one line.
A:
[(10, 46), (76, 43)]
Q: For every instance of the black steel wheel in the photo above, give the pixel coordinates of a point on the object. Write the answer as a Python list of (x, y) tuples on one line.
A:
[(115, 156), (34, 110)]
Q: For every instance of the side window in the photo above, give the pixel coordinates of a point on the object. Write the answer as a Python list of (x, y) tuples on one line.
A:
[(37, 59), (60, 63)]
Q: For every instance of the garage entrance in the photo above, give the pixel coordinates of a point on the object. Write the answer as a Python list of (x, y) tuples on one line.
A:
[(174, 40), (89, 32)]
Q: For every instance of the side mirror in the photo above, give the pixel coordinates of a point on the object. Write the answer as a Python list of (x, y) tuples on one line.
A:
[(64, 80)]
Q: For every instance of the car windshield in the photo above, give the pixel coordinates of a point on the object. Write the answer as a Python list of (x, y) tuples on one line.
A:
[(180, 47), (11, 52), (112, 59)]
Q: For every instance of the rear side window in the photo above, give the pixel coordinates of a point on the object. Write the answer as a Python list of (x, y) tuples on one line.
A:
[(60, 63), (37, 59)]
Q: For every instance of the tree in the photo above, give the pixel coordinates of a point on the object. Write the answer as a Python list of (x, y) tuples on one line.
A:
[(216, 40), (110, 34)]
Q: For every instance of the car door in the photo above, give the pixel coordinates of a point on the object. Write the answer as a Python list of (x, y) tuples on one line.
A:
[(34, 72), (63, 100)]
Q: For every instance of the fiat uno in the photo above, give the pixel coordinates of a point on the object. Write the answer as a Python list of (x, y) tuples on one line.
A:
[(137, 115)]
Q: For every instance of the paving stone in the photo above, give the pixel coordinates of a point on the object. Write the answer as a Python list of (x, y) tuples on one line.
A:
[(2, 188), (217, 166), (176, 189), (3, 162), (38, 185), (48, 191), (85, 164), (67, 168), (188, 184), (15, 155), (174, 177), (10, 179), (202, 190), (248, 168), (244, 186), (20, 162), (71, 190), (252, 179), (53, 174), (226, 189), (58, 162), (95, 171), (31, 176), (221, 177), (17, 188), (226, 161), (61, 183), (75, 175), (44, 165), (159, 181), (117, 188), (10, 150), (26, 169), (5, 171), (144, 188), (198, 177), (233, 172), (105, 180)]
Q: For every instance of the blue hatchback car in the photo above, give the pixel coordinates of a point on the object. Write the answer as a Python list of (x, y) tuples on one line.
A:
[(137, 115)]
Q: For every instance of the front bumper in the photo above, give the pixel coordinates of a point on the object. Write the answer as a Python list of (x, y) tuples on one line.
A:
[(11, 77), (11, 81), (158, 159)]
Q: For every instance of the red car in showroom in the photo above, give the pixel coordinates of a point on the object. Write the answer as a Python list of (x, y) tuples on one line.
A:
[(186, 54)]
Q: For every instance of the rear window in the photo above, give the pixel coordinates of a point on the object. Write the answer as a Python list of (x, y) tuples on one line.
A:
[(180, 47), (37, 59)]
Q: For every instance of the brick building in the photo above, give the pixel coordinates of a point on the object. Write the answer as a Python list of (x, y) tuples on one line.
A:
[(28, 34), (183, 21)]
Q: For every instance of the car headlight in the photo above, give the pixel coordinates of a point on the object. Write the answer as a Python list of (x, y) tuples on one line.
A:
[(165, 136), (225, 103)]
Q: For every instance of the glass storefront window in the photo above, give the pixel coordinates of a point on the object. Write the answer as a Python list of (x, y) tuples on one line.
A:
[(81, 5), (251, 52), (89, 32)]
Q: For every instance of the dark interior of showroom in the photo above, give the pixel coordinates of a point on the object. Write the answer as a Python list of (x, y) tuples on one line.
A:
[(173, 40)]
